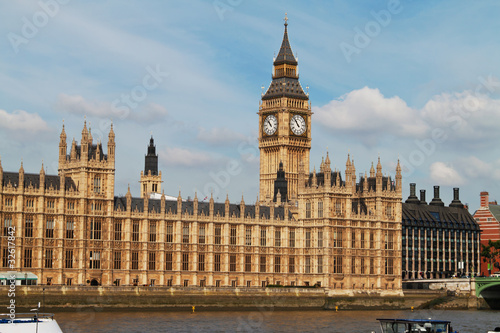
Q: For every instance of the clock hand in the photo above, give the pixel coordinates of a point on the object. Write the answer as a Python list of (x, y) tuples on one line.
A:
[(297, 122)]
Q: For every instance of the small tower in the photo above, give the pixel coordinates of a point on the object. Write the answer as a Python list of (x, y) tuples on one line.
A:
[(280, 185), (150, 177), (62, 148)]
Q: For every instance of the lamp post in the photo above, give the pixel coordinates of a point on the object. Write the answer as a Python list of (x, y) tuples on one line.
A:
[(25, 279)]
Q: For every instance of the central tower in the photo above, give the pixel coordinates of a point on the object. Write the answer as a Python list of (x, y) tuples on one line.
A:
[(284, 126)]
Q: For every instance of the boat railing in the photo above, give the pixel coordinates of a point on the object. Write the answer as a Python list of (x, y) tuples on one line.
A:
[(24, 317)]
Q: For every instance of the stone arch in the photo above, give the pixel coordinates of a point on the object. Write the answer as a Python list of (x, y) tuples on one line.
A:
[(94, 282)]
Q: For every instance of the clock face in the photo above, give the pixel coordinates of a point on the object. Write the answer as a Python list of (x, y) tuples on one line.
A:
[(270, 125), (298, 125)]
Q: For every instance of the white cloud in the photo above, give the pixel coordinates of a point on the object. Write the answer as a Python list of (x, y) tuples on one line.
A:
[(366, 110), (467, 117), (21, 120), (445, 175), (184, 157)]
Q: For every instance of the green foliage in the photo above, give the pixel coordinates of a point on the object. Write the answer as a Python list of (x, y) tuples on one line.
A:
[(491, 252)]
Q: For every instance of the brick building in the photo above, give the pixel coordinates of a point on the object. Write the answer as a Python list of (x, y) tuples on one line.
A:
[(488, 218)]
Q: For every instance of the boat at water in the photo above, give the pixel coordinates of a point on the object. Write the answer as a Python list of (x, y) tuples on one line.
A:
[(496, 330), (35, 322), (415, 326)]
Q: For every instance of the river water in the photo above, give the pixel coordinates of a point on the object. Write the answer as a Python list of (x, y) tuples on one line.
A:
[(262, 320)]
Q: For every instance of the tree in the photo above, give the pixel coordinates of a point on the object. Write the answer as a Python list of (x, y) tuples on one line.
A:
[(491, 253)]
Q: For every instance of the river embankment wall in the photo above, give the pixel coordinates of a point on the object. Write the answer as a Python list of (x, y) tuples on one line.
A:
[(78, 297)]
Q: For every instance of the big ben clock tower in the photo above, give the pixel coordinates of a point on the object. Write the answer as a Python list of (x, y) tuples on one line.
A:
[(284, 126)]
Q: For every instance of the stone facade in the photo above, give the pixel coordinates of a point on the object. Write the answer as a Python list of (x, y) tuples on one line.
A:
[(329, 228)]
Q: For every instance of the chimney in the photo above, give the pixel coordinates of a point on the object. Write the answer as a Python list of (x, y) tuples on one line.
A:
[(412, 199), (456, 200), (436, 201), (484, 199), (422, 197)]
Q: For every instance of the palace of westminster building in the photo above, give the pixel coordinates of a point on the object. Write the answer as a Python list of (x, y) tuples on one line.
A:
[(328, 228)]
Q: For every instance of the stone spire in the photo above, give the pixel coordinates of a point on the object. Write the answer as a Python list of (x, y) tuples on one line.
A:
[(399, 184), (285, 55), (62, 147), (372, 171), (111, 143), (379, 168)]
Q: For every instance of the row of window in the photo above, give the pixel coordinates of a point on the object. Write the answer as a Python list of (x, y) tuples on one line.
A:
[(364, 240), (358, 265), (50, 203)]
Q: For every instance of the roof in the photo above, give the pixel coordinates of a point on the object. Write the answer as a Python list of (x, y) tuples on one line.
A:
[(429, 216), (154, 205), (92, 152), (285, 55), (495, 210), (285, 87), (320, 178), (34, 180)]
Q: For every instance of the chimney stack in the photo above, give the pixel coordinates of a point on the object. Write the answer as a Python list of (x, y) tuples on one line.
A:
[(456, 199), (484, 199), (422, 197), (412, 199), (436, 201)]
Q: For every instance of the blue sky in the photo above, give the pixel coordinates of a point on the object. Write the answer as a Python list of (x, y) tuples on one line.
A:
[(418, 80)]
